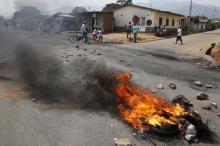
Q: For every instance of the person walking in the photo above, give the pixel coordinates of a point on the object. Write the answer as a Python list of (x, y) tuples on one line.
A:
[(135, 30), (179, 35), (100, 35), (84, 32), (129, 29)]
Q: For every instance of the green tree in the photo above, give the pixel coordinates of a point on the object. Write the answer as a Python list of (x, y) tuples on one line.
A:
[(123, 2), (111, 7)]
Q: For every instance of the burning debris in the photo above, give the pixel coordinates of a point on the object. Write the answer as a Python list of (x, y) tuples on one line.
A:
[(142, 109), (149, 113), (146, 112)]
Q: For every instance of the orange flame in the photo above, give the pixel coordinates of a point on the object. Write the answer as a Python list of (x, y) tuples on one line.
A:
[(142, 109)]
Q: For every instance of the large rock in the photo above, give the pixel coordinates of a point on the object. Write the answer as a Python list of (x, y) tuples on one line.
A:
[(202, 96)]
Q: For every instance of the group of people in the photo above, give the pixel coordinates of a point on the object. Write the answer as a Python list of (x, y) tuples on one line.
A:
[(97, 34), (132, 29)]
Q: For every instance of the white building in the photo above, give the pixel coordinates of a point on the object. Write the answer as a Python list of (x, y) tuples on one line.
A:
[(149, 17)]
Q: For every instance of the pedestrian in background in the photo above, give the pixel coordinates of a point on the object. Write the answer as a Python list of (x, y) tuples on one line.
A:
[(135, 30), (179, 35), (84, 32), (100, 35), (95, 34), (129, 30)]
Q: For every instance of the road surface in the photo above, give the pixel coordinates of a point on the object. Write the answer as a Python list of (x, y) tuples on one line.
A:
[(59, 122)]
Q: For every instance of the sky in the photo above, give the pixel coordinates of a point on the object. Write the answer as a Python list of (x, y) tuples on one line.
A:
[(8, 7)]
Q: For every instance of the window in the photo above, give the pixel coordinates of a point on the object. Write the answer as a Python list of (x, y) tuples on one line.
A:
[(173, 22), (143, 19), (149, 22), (167, 22), (160, 21)]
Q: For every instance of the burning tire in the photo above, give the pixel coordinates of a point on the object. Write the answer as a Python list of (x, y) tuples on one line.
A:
[(166, 130)]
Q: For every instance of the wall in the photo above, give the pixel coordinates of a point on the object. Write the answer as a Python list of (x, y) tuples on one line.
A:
[(108, 22), (123, 15), (177, 19)]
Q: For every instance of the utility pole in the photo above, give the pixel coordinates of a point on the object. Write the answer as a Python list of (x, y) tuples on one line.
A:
[(214, 14), (150, 4), (190, 14)]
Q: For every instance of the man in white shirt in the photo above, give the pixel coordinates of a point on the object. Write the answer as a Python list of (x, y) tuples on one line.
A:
[(84, 32), (179, 35)]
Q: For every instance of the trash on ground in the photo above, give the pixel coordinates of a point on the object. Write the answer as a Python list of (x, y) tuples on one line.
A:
[(122, 142)]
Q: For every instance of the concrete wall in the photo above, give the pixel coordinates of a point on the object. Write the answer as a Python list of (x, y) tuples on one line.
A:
[(164, 16), (123, 15)]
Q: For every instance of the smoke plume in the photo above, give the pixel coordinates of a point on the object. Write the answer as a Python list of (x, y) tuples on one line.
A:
[(78, 84)]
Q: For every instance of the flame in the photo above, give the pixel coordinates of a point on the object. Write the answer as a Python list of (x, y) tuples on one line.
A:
[(143, 109)]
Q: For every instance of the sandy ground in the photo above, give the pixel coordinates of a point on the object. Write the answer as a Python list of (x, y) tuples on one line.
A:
[(142, 37), (41, 123), (193, 45)]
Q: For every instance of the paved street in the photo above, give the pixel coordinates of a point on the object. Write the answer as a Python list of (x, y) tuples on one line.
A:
[(65, 115), (194, 45)]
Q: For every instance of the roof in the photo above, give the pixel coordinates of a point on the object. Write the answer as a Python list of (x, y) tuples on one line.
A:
[(155, 10), (97, 12), (203, 20)]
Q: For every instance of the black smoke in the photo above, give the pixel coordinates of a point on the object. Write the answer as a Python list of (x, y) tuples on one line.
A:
[(80, 84)]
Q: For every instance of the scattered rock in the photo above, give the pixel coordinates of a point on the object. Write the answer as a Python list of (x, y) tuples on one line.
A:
[(122, 142), (160, 86), (34, 100), (85, 49), (172, 86), (218, 114), (121, 60), (77, 46), (66, 76), (79, 55), (134, 134), (198, 83), (99, 54), (202, 96), (213, 104), (207, 107), (209, 86), (67, 61)]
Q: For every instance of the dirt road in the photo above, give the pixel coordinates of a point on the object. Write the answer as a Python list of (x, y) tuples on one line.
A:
[(55, 120)]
